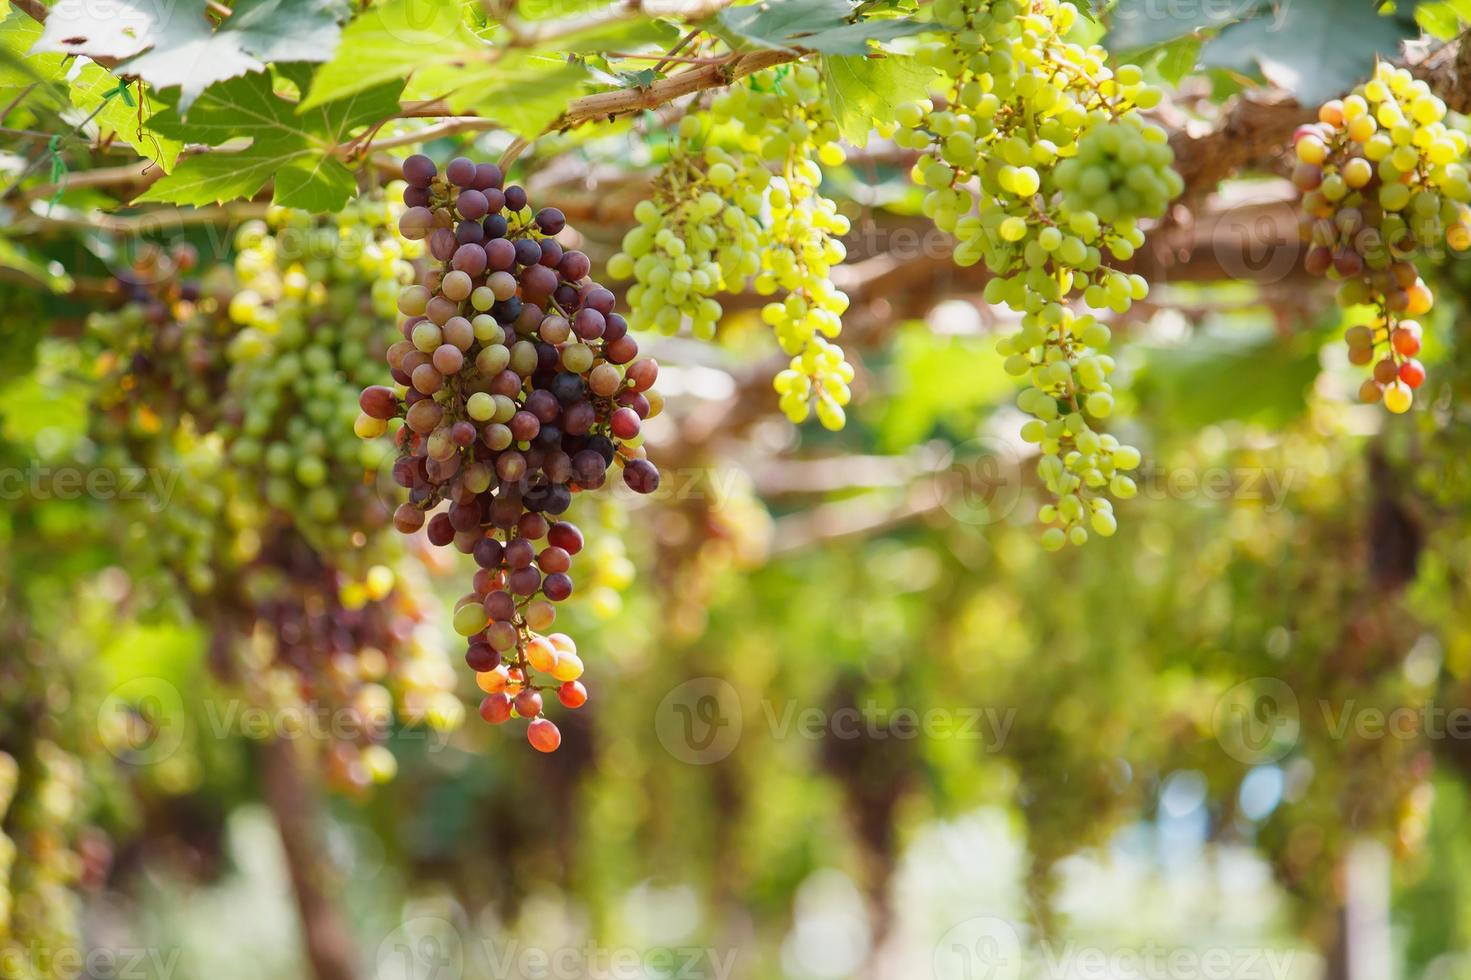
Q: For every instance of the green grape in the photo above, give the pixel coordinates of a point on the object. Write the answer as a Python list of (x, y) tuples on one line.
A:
[(1034, 157)]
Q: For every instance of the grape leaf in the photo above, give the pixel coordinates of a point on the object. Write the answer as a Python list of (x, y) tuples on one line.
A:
[(1315, 49), (1178, 59), (520, 92), (817, 25), (389, 42), (188, 53), (861, 90), (296, 150), (18, 33), (119, 29), (1138, 25), (180, 46), (94, 86)]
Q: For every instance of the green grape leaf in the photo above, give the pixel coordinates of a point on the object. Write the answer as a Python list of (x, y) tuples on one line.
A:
[(94, 86), (18, 34), (861, 90), (1438, 19), (183, 48), (390, 41), (188, 53), (947, 382), (521, 92), (624, 35), (817, 25), (1178, 59), (1138, 25), (296, 150), (1315, 49), (114, 30)]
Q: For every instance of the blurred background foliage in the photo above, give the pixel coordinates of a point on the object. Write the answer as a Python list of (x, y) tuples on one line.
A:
[(847, 718)]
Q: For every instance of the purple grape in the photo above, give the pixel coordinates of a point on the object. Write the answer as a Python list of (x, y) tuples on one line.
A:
[(574, 265), (551, 220), (470, 233), (557, 586), (589, 324), (469, 259), (419, 170), (460, 172), (528, 252), (500, 253), (416, 197), (641, 476), (472, 205), (515, 197), (487, 175), (599, 299), (442, 244), (416, 223)]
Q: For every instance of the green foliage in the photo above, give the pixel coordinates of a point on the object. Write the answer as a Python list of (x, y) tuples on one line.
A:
[(862, 90), (828, 26), (297, 151), (1315, 48)]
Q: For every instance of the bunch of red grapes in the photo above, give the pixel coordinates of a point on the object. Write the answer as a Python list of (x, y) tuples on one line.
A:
[(519, 386)]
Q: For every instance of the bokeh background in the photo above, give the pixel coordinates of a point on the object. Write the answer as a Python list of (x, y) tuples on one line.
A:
[(847, 718)]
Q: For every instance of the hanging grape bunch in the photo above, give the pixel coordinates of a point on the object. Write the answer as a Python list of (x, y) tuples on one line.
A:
[(740, 199), (228, 382), (519, 386), (1383, 180), (1036, 158)]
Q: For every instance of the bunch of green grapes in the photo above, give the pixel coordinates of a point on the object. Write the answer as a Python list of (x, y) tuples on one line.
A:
[(699, 235), (740, 201), (314, 309), (1036, 159), (1383, 181), (226, 393)]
